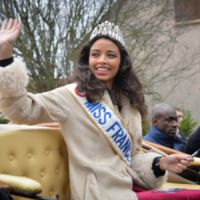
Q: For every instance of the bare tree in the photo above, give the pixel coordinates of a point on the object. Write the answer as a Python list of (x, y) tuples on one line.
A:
[(54, 31), (152, 36), (52, 34)]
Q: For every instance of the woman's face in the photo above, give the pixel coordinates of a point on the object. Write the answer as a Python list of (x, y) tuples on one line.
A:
[(104, 60)]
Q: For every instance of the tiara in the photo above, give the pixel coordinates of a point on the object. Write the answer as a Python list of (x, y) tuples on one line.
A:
[(109, 29)]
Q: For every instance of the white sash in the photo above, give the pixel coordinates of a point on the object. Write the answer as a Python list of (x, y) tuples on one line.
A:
[(107, 122)]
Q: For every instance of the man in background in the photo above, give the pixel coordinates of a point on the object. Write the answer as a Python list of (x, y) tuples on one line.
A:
[(179, 115), (165, 127)]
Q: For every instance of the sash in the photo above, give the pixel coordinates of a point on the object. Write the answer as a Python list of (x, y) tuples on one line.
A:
[(107, 122)]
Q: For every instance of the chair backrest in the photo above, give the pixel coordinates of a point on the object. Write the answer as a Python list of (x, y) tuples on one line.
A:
[(38, 153)]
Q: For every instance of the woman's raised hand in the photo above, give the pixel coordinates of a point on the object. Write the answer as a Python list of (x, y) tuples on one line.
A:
[(9, 32)]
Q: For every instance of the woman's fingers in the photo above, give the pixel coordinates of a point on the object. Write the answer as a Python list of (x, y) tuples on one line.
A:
[(186, 162), (16, 22), (16, 25), (4, 24), (9, 24), (178, 168)]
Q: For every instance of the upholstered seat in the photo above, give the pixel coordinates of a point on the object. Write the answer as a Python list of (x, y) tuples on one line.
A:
[(38, 153)]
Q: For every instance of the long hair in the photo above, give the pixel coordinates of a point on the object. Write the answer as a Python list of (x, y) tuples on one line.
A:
[(126, 80)]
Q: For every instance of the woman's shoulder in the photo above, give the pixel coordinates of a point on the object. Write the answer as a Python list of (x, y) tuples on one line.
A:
[(62, 91)]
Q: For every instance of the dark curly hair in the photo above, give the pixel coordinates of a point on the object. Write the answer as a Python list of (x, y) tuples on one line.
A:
[(126, 80)]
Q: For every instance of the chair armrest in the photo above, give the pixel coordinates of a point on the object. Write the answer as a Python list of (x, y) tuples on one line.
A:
[(20, 184)]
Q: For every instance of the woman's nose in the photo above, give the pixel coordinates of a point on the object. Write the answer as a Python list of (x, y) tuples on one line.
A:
[(102, 59)]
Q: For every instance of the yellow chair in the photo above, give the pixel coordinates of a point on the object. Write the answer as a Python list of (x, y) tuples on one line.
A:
[(38, 153)]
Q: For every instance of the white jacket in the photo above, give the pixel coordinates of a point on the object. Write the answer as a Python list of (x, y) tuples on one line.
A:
[(96, 171)]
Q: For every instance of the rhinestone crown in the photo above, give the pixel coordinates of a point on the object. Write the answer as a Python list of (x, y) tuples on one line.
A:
[(109, 29)]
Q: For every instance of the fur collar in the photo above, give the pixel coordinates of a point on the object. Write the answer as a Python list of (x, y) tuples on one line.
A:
[(130, 117)]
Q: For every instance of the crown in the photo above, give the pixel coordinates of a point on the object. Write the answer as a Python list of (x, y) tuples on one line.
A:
[(109, 29)]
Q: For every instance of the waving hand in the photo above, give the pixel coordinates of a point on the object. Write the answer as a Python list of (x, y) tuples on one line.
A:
[(9, 32)]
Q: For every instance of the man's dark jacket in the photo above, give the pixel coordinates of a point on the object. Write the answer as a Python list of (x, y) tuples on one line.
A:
[(158, 137)]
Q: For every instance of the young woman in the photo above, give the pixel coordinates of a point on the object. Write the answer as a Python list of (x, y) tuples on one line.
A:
[(99, 115)]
